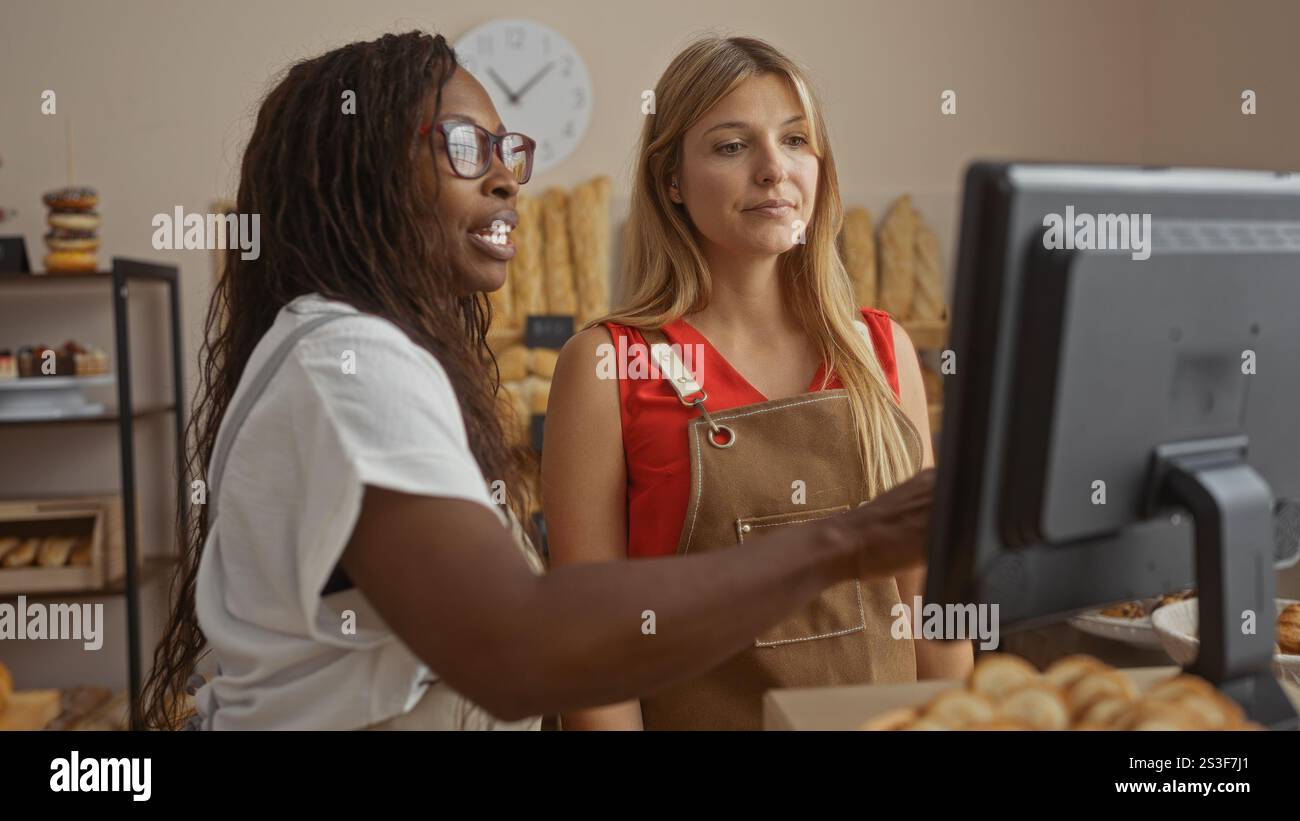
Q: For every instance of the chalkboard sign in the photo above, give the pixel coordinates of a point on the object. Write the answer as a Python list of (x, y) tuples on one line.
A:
[(13, 256), (538, 425), (547, 330)]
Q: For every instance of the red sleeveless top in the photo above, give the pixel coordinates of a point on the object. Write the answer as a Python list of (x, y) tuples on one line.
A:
[(655, 443)]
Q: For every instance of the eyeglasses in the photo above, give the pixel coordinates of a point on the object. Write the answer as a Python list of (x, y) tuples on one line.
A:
[(470, 149)]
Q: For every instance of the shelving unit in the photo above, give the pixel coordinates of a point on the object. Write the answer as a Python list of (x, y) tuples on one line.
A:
[(118, 279)]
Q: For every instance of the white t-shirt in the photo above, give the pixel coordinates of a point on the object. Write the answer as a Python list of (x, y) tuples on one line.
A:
[(355, 403)]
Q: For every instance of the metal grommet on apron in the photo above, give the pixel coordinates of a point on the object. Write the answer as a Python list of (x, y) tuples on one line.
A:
[(741, 490)]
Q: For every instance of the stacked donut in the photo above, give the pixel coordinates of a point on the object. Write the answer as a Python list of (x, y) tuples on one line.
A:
[(1075, 693), (73, 224)]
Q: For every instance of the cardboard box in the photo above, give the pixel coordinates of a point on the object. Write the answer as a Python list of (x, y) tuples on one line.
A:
[(846, 708)]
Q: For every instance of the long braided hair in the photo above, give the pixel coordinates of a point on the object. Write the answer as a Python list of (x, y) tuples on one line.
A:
[(343, 217)]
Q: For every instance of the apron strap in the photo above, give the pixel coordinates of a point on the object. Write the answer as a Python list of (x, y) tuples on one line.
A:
[(231, 424), (679, 377), (235, 418)]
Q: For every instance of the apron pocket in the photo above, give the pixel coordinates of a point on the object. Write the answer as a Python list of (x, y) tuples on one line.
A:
[(836, 612)]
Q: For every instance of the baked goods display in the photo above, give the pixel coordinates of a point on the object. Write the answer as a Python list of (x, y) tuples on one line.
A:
[(1079, 692), (8, 365), (1288, 630), (900, 270), (561, 296), (72, 359), (562, 256), (6, 686), (73, 239), (860, 255), (44, 551), (1141, 610), (589, 233)]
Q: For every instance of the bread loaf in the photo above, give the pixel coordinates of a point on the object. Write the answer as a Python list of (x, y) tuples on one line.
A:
[(589, 231), (897, 257), (928, 301), (561, 297), (860, 256), (513, 363), (526, 267)]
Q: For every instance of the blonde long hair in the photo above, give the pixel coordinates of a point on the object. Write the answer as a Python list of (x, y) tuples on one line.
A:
[(668, 277)]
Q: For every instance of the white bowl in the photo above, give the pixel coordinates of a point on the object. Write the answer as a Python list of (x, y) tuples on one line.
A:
[(1134, 632), (1175, 624)]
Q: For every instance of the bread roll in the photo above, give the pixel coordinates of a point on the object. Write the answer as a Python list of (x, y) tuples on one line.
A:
[(897, 258), (860, 256), (81, 552), (561, 297), (54, 551), (22, 555), (542, 361), (525, 272), (1040, 706), (589, 231), (514, 410), (998, 675), (894, 719), (539, 393), (928, 302), (1288, 629), (6, 686), (503, 303), (513, 363), (1063, 673), (957, 708)]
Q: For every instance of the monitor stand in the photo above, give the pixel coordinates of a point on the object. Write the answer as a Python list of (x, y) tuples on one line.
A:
[(1232, 507)]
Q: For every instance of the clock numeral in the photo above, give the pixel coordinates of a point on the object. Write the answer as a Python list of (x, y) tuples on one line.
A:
[(568, 65), (484, 46), (515, 37), (569, 130), (579, 98)]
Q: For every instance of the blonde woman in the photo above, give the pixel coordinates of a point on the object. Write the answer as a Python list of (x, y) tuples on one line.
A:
[(799, 404)]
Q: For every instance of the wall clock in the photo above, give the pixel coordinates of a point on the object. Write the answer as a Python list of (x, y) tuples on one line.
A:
[(537, 81)]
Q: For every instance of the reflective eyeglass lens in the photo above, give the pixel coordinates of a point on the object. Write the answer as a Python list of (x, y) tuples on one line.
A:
[(468, 150), (514, 152)]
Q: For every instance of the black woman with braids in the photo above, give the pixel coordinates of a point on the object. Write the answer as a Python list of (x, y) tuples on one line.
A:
[(350, 568)]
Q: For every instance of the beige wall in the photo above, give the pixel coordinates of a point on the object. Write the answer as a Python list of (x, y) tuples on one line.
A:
[(162, 96)]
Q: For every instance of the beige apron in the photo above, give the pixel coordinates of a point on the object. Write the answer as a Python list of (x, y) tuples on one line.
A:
[(441, 707), (745, 463)]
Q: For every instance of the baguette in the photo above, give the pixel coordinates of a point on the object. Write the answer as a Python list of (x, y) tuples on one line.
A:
[(560, 295), (8, 543), (860, 256), (927, 302), (526, 267), (897, 259), (589, 230), (54, 551), (22, 555)]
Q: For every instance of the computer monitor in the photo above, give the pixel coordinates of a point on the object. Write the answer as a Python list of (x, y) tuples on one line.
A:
[(1121, 417)]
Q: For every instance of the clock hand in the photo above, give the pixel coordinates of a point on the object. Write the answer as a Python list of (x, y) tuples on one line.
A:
[(539, 75), (514, 98)]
